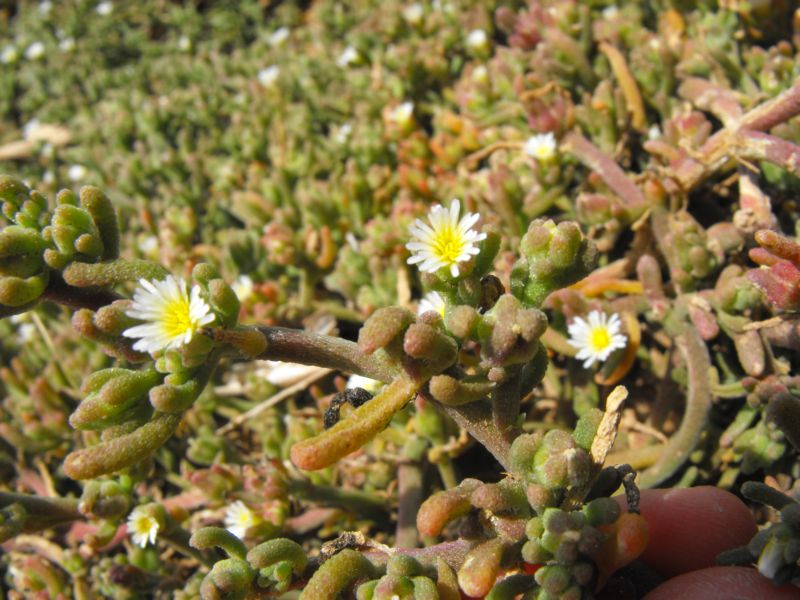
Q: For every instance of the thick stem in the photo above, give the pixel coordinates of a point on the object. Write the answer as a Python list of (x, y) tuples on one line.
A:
[(453, 554), (409, 484), (605, 166), (42, 512), (695, 418), (291, 345), (360, 502), (478, 421)]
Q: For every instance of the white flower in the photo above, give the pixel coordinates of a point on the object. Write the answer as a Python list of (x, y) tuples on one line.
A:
[(349, 56), (45, 7), (31, 128), (480, 74), (277, 37), (239, 518), (76, 172), (267, 77), (610, 12), (597, 337), (402, 115), (104, 8), (243, 287), (184, 43), (373, 386), (446, 242), (35, 51), (653, 133), (413, 14), (26, 333), (9, 55), (477, 40), (172, 316), (343, 134), (541, 146), (67, 44), (149, 246), (143, 527), (432, 301)]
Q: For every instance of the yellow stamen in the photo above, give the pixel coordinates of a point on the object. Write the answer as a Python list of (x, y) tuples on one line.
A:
[(599, 338)]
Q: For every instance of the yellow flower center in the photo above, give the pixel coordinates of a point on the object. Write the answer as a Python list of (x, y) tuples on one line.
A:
[(177, 318), (448, 245), (599, 338)]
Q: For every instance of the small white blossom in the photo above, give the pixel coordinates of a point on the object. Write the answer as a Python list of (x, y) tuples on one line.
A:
[(343, 133), (352, 241), (610, 12), (30, 129), (149, 246), (243, 287), (268, 76), (597, 337), (349, 56), (67, 44), (48, 177), (477, 40), (77, 173), (143, 527), (277, 37), (480, 74), (413, 14), (446, 242), (35, 51), (541, 146), (432, 301), (45, 7), (239, 518), (402, 114), (26, 333), (171, 314), (653, 133), (104, 8), (184, 43), (9, 55), (373, 386)]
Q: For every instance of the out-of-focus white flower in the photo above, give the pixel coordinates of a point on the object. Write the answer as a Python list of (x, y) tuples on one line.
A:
[(610, 12), (35, 51), (402, 115), (541, 146), (413, 14), (373, 386), (184, 43), (352, 241), (278, 37), (349, 56), (26, 333), (446, 242), (432, 301), (143, 527), (596, 337), (77, 173), (149, 246), (171, 314), (477, 41), (480, 74), (104, 8), (343, 133), (45, 7), (67, 44), (9, 55), (239, 518), (243, 287), (268, 76), (653, 133), (30, 128)]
